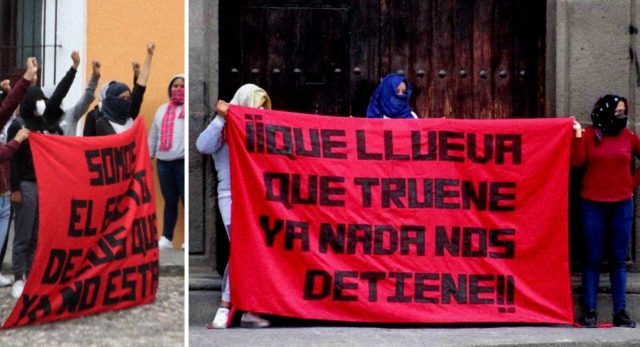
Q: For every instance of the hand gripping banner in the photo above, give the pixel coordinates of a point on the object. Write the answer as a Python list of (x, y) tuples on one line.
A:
[(400, 221), (97, 247)]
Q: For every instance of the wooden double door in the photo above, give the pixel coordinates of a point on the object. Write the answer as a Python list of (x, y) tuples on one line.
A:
[(464, 59)]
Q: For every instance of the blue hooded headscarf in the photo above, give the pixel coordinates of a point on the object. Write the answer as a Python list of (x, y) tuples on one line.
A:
[(386, 102)]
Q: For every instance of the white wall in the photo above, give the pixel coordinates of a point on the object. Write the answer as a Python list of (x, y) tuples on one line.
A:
[(71, 36)]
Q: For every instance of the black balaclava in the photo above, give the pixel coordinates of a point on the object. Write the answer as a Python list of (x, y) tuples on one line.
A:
[(114, 108), (604, 116)]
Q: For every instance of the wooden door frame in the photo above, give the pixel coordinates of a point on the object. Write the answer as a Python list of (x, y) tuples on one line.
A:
[(553, 85)]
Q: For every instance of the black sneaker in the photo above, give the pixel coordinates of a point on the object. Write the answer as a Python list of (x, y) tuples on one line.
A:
[(622, 319), (590, 319)]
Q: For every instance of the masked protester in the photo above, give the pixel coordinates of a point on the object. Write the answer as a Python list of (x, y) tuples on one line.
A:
[(166, 142), (113, 116), (211, 142), (391, 99), (38, 114), (606, 151), (10, 101), (13, 96), (115, 109), (7, 150)]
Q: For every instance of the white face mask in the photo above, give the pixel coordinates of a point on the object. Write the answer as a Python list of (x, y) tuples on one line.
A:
[(40, 106)]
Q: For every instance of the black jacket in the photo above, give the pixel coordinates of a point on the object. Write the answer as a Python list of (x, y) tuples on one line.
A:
[(95, 124)]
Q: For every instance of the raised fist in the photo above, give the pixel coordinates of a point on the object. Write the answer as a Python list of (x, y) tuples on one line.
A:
[(5, 86), (32, 69), (136, 68), (95, 67), (75, 56), (151, 47)]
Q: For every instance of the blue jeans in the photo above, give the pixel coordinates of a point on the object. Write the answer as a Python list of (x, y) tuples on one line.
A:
[(599, 219), (171, 176), (5, 215)]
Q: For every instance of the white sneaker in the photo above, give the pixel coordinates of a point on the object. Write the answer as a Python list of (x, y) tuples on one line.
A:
[(16, 288), (222, 316), (182, 246), (164, 243), (250, 320), (5, 281)]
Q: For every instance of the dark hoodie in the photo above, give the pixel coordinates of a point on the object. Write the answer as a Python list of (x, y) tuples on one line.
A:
[(22, 163)]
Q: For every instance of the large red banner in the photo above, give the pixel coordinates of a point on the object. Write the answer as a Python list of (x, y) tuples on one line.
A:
[(431, 221), (97, 247)]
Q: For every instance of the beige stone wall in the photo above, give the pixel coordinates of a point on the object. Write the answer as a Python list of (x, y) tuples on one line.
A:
[(592, 48), (589, 45)]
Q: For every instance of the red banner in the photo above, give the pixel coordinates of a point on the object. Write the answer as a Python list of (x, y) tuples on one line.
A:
[(97, 247), (430, 221)]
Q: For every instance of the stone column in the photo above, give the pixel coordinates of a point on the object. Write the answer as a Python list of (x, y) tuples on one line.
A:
[(203, 89)]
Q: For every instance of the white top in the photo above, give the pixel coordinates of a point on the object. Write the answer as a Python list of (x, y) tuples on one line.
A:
[(177, 144)]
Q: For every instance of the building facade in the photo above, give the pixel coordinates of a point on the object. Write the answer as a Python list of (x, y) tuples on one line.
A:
[(114, 33)]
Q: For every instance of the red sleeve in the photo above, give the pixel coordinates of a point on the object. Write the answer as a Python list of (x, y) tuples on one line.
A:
[(13, 99), (7, 151), (577, 151), (635, 147)]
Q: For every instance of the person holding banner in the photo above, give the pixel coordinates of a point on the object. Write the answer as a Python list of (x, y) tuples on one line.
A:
[(166, 142), (212, 141), (39, 114), (391, 99), (10, 101), (606, 151), (6, 152), (120, 106)]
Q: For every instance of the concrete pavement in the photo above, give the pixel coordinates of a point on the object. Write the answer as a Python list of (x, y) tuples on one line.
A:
[(160, 323), (412, 336)]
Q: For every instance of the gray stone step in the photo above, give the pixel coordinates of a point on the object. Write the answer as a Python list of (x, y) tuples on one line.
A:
[(204, 296), (202, 306)]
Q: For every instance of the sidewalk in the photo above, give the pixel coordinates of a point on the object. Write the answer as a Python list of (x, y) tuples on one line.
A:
[(411, 336), (160, 323)]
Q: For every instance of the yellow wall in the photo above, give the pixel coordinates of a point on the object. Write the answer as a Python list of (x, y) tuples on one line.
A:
[(117, 34)]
